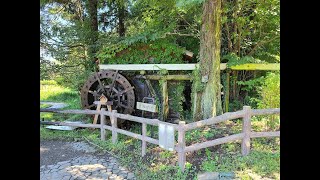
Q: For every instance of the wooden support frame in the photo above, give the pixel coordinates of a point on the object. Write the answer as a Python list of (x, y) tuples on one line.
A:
[(188, 67), (165, 100)]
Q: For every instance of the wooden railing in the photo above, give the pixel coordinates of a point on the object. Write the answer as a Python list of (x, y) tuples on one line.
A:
[(182, 127), (245, 136), (113, 128)]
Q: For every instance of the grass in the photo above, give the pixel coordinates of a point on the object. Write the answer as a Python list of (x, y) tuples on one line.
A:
[(51, 91), (262, 162)]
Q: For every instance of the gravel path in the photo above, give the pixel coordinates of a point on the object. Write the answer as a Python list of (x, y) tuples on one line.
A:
[(78, 160)]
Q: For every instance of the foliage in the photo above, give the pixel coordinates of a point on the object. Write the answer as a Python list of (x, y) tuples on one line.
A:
[(251, 28), (141, 50), (233, 59), (270, 92), (256, 164)]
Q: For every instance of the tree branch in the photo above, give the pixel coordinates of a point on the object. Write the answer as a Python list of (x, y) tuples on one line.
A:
[(261, 43)]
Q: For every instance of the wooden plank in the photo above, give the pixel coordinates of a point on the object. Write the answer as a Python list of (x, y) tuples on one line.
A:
[(246, 130), (154, 67), (146, 107), (256, 112), (114, 125), (227, 93), (181, 145), (165, 101), (138, 136), (154, 122), (265, 134), (103, 100), (72, 111), (144, 143), (252, 66), (95, 119), (215, 120), (78, 125), (180, 77), (157, 67), (215, 142), (102, 123)]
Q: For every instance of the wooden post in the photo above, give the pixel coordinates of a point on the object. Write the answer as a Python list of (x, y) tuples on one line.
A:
[(102, 123), (227, 91), (246, 129), (144, 143), (181, 145), (114, 126), (165, 100)]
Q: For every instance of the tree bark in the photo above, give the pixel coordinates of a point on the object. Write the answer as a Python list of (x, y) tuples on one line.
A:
[(210, 46), (93, 19), (121, 16)]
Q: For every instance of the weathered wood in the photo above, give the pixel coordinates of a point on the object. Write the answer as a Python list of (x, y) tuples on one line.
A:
[(215, 142), (227, 93), (153, 67), (252, 66), (154, 122), (265, 134), (103, 100), (165, 100), (256, 112), (246, 130), (102, 123), (49, 123), (59, 123), (181, 145), (74, 111), (114, 125), (215, 120), (182, 77), (144, 143), (138, 136), (157, 67), (95, 119)]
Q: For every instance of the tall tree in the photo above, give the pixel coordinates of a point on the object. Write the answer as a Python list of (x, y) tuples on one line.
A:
[(93, 32), (208, 102)]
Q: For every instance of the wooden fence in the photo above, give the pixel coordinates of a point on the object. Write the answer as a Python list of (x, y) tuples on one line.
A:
[(182, 127)]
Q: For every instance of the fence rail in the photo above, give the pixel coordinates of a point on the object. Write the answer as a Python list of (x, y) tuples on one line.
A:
[(182, 128)]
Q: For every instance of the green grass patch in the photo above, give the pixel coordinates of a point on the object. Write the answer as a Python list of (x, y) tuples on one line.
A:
[(51, 91)]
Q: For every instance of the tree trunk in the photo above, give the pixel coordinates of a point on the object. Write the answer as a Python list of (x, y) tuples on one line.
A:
[(210, 59), (121, 16), (92, 48)]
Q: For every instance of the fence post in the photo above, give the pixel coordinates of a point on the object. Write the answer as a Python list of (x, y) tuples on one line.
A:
[(102, 123), (246, 130), (181, 145), (144, 143), (114, 125)]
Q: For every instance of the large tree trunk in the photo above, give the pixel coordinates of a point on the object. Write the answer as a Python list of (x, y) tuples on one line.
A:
[(121, 16), (210, 100), (92, 48)]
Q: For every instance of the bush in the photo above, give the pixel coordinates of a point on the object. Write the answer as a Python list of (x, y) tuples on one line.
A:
[(270, 92), (270, 98)]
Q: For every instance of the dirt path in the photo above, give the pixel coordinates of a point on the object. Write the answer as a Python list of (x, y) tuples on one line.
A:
[(78, 160)]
